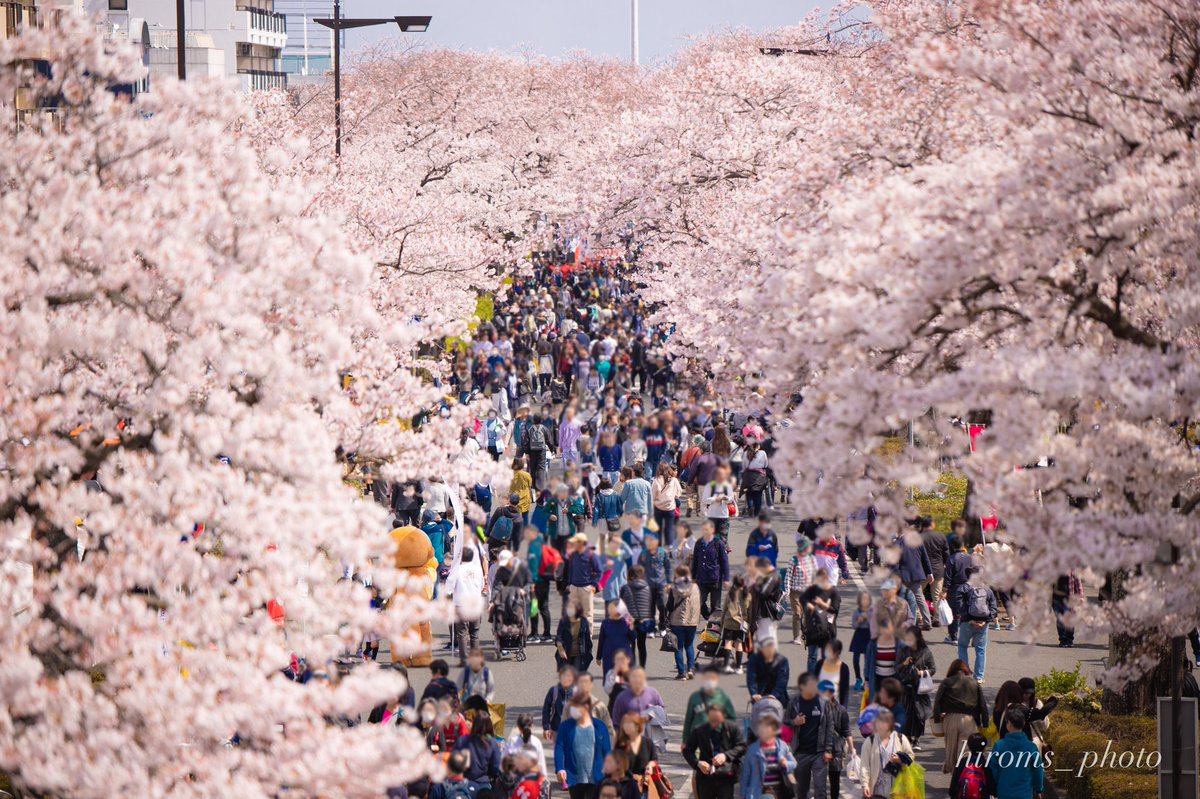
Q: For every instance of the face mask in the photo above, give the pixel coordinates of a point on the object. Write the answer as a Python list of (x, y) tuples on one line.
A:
[(442, 715), (428, 716), (576, 712), (709, 686)]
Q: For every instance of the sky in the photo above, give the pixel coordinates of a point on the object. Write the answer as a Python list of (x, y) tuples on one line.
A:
[(560, 27)]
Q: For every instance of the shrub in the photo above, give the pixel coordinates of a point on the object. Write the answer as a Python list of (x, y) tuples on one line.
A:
[(1073, 734), (1071, 687)]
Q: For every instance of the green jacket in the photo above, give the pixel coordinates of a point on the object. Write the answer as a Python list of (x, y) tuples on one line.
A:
[(697, 710)]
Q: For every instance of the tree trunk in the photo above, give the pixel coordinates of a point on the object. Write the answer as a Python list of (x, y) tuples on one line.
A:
[(1139, 696)]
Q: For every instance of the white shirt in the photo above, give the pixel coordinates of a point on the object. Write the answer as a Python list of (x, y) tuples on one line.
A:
[(465, 585)]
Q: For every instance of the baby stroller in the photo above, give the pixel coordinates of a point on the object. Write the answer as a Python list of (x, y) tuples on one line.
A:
[(508, 620)]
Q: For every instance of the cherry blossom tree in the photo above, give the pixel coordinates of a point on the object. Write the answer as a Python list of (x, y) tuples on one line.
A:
[(174, 327), (993, 214)]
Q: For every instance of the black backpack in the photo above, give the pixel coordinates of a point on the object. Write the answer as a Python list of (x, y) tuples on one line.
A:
[(535, 438)]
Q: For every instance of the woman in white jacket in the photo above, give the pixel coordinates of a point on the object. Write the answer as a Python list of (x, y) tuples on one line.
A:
[(882, 747)]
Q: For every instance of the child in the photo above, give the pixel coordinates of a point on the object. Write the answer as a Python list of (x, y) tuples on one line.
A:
[(763, 542), (860, 622), (456, 785), (687, 543), (610, 457), (843, 739), (616, 771), (735, 624), (768, 765), (969, 780), (531, 780), (587, 450), (615, 636), (453, 725)]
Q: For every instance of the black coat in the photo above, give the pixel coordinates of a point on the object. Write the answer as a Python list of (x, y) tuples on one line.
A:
[(636, 595), (938, 551), (699, 749), (565, 640)]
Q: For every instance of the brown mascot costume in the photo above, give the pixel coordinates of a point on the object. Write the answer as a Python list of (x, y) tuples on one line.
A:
[(414, 554)]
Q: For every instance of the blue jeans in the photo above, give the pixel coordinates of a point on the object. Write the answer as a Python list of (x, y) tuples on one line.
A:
[(687, 645), (969, 635), (814, 656)]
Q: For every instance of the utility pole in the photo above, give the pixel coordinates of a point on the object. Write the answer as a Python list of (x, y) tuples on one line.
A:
[(337, 78), (633, 32), (181, 39)]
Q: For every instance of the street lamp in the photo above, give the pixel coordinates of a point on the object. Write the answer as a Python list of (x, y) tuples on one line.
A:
[(337, 24)]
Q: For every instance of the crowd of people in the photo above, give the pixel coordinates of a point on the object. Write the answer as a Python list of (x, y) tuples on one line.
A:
[(624, 484)]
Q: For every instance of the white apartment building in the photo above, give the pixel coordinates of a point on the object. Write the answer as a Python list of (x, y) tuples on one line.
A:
[(309, 50), (250, 36)]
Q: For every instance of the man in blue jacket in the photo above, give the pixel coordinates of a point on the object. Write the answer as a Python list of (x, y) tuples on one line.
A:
[(1015, 764), (915, 572), (710, 570), (583, 574)]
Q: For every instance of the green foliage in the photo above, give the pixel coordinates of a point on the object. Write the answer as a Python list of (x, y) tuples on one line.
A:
[(1071, 687), (1073, 734), (944, 510)]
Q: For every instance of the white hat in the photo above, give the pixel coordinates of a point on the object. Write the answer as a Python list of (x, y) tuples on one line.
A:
[(504, 557)]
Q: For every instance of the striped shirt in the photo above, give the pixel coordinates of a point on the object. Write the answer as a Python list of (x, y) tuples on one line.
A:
[(885, 660)]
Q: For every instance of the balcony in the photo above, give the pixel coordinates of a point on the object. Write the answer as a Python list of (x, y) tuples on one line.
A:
[(255, 80)]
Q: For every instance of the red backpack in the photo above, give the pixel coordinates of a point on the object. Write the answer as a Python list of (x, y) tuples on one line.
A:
[(551, 557), (972, 783)]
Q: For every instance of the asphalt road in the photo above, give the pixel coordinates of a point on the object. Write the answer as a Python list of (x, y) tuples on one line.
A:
[(522, 686)]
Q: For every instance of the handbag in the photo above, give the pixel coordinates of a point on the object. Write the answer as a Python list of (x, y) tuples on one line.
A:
[(660, 783), (670, 642), (732, 509), (925, 685), (936, 729)]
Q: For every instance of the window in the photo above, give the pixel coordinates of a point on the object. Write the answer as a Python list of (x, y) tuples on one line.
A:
[(118, 5)]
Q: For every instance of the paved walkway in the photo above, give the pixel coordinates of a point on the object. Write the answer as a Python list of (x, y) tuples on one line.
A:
[(522, 686)]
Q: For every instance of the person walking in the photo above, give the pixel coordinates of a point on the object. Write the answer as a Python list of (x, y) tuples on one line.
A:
[(1015, 767), (715, 751), (717, 499), (683, 609), (580, 748), (957, 563), (960, 709), (465, 585), (735, 625), (938, 549), (655, 562), (821, 605), (834, 670), (583, 575), (665, 494), (573, 641), (710, 692), (763, 542), (977, 604), (768, 764), (813, 736), (767, 673), (638, 599), (710, 567), (636, 494), (884, 753), (801, 571), (915, 572), (915, 673)]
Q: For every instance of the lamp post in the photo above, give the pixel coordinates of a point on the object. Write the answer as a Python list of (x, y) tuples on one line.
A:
[(337, 24), (180, 40)]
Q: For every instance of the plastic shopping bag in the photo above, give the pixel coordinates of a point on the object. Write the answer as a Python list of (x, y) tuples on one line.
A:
[(854, 766), (991, 733), (945, 615), (910, 782)]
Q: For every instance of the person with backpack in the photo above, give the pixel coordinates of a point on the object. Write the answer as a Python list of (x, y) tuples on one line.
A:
[(607, 507), (970, 778), (821, 604), (555, 701), (456, 785), (718, 498), (476, 678), (503, 525), (537, 449), (977, 604), (543, 561)]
